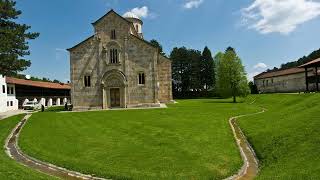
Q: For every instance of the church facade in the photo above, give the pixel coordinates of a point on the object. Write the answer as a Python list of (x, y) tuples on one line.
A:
[(116, 67)]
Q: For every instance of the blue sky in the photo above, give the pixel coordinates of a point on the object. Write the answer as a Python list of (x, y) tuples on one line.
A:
[(265, 33)]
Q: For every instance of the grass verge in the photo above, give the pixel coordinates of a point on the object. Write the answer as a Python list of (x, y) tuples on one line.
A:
[(287, 137), (9, 169)]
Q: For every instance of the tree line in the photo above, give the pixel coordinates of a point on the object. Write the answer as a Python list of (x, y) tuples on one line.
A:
[(305, 59), (198, 74)]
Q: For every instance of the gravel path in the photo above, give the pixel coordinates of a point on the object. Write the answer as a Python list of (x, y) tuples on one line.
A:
[(13, 150)]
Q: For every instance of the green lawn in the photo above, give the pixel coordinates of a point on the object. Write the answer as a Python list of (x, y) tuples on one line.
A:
[(189, 140), (287, 137), (9, 169)]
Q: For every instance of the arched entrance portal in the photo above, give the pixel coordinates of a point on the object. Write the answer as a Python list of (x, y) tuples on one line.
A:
[(114, 85)]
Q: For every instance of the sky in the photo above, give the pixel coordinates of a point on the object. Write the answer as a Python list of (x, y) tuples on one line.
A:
[(265, 33)]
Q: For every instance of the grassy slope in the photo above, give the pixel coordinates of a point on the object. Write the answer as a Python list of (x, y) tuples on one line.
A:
[(287, 137), (9, 169), (189, 140)]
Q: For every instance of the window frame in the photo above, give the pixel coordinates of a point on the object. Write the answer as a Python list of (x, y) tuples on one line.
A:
[(87, 81), (113, 34), (114, 56), (4, 89), (141, 78)]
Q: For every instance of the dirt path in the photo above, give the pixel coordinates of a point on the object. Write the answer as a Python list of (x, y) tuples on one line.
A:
[(250, 167), (13, 150)]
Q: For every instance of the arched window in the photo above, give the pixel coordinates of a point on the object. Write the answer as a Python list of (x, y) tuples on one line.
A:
[(137, 28), (87, 81), (141, 78), (114, 56)]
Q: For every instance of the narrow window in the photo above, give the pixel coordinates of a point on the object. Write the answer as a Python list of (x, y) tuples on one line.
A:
[(114, 56), (137, 28), (87, 81), (113, 34), (12, 91), (8, 103), (8, 90), (141, 79), (11, 103), (3, 89)]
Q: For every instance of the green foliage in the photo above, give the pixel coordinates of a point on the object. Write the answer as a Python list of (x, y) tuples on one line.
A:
[(207, 69), (188, 140), (155, 43), (192, 72), (13, 38), (33, 78), (231, 76), (10, 169), (305, 59), (253, 88), (286, 137)]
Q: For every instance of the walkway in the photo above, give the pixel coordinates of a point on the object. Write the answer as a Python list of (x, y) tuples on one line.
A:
[(11, 113), (13, 150)]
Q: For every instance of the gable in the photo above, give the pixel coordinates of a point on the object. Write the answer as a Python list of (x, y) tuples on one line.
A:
[(111, 18)]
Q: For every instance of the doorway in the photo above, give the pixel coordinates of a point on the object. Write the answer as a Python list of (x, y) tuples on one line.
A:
[(115, 97)]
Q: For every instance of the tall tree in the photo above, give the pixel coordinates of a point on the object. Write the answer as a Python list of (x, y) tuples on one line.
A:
[(155, 43), (207, 69), (231, 76), (185, 71), (14, 40)]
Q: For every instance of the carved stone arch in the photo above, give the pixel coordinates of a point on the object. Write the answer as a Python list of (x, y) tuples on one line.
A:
[(114, 80), (114, 74)]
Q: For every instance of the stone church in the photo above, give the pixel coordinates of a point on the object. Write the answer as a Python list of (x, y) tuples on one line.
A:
[(117, 68)]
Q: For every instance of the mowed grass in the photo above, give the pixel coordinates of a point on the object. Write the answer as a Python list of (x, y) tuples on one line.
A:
[(189, 140), (9, 169), (287, 137)]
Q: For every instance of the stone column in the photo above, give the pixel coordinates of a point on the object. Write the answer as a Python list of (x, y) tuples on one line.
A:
[(58, 102), (50, 102), (43, 101)]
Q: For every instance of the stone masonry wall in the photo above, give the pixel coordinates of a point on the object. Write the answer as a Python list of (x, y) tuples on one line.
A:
[(282, 84), (141, 58), (165, 82)]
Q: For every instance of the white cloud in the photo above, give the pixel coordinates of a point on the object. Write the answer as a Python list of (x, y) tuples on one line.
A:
[(252, 74), (192, 4), (260, 66), (142, 12), (282, 16)]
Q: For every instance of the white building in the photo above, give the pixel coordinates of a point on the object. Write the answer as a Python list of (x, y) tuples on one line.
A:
[(8, 101)]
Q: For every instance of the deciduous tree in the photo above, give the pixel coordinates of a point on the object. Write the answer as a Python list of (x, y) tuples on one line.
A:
[(231, 76)]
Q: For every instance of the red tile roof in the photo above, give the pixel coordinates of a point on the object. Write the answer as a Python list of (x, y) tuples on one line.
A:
[(49, 85), (279, 73), (316, 61)]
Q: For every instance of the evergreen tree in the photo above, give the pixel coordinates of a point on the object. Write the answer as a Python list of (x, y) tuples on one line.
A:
[(155, 43), (13, 38), (207, 69), (231, 76), (185, 71), (253, 88)]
